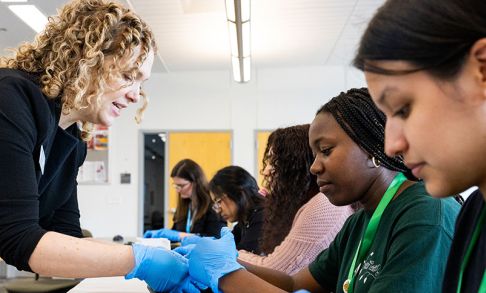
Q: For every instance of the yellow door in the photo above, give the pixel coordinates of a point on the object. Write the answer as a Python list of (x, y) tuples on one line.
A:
[(211, 150), (262, 138)]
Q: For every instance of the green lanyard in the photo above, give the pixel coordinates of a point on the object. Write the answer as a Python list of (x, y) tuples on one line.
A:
[(371, 228), (474, 239)]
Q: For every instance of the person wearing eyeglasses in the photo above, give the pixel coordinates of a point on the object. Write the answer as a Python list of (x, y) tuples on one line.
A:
[(194, 214), (237, 199)]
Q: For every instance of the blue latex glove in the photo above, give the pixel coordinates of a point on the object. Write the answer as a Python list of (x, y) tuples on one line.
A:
[(189, 285), (211, 259), (160, 268), (172, 235), (185, 250), (193, 239)]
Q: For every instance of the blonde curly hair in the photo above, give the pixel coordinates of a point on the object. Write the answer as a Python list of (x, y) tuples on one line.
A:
[(70, 53)]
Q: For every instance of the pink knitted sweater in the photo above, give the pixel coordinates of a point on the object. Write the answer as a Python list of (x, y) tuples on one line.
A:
[(314, 227)]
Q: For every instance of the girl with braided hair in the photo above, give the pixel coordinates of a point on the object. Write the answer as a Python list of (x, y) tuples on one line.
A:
[(387, 246), (84, 68)]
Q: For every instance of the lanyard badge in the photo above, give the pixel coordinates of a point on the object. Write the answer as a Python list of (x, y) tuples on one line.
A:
[(370, 231)]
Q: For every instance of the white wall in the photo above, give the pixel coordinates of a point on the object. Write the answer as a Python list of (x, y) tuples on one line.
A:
[(206, 101)]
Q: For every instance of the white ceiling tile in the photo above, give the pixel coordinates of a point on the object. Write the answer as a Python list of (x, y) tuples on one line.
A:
[(193, 35)]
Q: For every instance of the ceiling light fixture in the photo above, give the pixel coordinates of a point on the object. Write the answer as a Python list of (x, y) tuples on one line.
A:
[(31, 15), (238, 15)]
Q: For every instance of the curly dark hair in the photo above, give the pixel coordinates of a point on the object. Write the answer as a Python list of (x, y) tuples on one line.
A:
[(290, 183)]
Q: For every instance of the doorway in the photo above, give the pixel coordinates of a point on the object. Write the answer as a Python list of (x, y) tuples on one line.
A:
[(154, 180)]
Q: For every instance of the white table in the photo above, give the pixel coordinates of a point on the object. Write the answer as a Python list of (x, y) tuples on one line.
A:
[(110, 285)]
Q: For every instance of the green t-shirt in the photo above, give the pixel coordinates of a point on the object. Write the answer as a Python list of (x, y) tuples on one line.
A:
[(409, 253)]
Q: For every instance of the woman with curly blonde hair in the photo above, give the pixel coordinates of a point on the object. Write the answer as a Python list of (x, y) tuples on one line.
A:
[(84, 68)]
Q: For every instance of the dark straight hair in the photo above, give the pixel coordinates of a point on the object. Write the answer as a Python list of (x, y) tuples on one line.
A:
[(432, 35), (240, 187), (191, 171)]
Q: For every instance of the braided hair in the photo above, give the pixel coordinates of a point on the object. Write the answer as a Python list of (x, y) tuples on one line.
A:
[(364, 123)]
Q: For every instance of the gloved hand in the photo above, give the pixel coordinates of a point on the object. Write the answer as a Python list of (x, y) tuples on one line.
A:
[(189, 285), (185, 250), (160, 268), (211, 259), (193, 239), (172, 235)]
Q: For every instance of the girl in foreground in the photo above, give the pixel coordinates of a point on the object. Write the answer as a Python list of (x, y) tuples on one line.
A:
[(425, 64)]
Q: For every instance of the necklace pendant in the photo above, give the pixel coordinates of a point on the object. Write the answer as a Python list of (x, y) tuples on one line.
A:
[(346, 285)]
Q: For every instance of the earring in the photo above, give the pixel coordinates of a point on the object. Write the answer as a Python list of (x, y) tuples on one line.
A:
[(375, 162)]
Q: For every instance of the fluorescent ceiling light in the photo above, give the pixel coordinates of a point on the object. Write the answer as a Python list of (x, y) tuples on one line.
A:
[(240, 75), (238, 15), (233, 38), (30, 15), (245, 10), (246, 69), (236, 68), (245, 39), (230, 10)]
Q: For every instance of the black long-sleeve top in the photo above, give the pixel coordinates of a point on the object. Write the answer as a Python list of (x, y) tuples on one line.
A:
[(39, 163), (209, 225), (247, 234), (465, 224)]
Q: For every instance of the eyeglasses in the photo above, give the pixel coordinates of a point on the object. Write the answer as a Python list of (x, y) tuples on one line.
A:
[(217, 205), (180, 186)]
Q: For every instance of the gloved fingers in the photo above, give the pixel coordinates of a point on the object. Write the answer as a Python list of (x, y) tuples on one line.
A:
[(225, 231), (150, 261), (190, 240), (172, 235), (180, 288), (160, 233), (189, 285), (228, 240), (185, 250), (178, 257), (227, 237), (148, 234), (199, 285)]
